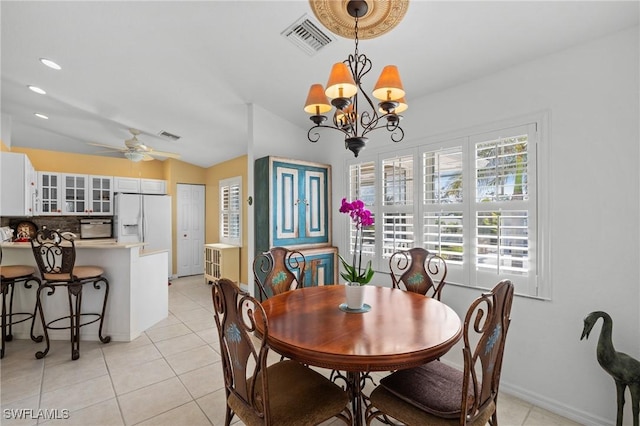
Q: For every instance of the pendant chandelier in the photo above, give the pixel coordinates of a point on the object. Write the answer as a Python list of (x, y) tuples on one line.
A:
[(354, 115)]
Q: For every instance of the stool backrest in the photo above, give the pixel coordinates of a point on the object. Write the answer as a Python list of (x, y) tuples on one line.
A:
[(54, 252)]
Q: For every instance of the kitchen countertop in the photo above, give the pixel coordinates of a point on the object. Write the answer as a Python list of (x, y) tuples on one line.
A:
[(100, 243)]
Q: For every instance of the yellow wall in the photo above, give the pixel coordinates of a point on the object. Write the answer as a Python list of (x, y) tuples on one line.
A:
[(65, 162), (3, 147), (228, 169)]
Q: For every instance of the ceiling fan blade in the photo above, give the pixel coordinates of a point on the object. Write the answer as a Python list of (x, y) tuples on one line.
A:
[(106, 146), (147, 157), (163, 154)]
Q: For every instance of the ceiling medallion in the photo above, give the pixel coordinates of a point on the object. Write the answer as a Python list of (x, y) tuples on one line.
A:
[(381, 17)]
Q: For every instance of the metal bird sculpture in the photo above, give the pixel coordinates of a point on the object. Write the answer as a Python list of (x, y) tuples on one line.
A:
[(624, 369)]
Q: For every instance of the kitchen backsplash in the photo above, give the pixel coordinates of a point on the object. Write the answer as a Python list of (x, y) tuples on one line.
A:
[(63, 223)]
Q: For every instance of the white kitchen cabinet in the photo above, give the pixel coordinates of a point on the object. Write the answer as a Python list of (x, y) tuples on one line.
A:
[(153, 186), (18, 185), (100, 195), (126, 185), (49, 194), (87, 194), (139, 185)]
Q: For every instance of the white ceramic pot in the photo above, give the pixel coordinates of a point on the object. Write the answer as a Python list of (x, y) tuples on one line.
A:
[(355, 295)]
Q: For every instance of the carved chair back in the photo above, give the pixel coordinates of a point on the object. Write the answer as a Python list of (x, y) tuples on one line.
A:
[(244, 358), (55, 254), (486, 323), (278, 270), (419, 271)]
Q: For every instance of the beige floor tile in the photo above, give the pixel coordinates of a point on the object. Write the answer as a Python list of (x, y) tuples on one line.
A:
[(178, 344), (106, 413), (188, 414), (127, 357), (204, 380), (21, 387), (129, 378), (153, 400), (210, 335), (540, 417), (169, 320), (60, 350), (80, 395), (17, 413), (511, 410), (214, 406), (195, 314), (69, 372), (200, 324), (164, 333), (192, 359)]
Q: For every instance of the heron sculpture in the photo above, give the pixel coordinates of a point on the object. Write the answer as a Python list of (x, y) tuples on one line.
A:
[(624, 369)]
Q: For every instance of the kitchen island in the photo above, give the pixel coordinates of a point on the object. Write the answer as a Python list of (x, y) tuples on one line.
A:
[(138, 289)]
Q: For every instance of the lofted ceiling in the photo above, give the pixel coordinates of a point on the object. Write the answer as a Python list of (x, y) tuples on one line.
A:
[(191, 68)]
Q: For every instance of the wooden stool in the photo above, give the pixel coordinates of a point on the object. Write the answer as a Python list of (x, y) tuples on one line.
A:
[(9, 276), (55, 255)]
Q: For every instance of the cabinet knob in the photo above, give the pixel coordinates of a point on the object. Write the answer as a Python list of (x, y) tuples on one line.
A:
[(185, 235)]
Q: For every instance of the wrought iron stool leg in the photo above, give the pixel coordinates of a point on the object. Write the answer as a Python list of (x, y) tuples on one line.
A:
[(4, 316), (105, 339), (41, 354), (35, 338), (74, 291)]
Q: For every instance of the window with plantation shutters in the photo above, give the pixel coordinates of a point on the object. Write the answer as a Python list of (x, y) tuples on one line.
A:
[(362, 186), (473, 199), (230, 211)]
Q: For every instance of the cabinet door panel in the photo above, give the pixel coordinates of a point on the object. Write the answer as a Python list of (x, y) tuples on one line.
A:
[(315, 208), (286, 204)]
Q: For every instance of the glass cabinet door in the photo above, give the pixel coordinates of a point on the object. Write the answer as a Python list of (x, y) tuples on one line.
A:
[(75, 194)]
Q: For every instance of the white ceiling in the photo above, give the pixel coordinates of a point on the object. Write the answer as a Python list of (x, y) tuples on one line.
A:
[(190, 68)]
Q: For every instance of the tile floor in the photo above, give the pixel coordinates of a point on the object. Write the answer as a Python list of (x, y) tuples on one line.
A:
[(170, 375)]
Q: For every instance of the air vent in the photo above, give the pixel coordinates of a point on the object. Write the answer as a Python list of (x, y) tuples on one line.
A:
[(168, 135), (307, 35)]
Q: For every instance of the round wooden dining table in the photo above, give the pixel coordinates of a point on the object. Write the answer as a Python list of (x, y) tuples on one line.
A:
[(399, 329)]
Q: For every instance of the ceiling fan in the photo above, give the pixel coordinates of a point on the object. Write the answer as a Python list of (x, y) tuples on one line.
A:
[(135, 150)]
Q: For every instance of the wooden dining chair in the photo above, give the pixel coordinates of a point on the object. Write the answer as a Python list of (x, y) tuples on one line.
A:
[(418, 270), (278, 270), (284, 393), (437, 394)]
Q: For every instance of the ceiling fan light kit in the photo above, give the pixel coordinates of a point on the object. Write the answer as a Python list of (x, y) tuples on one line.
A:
[(136, 151), (355, 119)]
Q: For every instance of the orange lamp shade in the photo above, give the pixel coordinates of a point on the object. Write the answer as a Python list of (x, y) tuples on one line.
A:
[(402, 106), (340, 84), (317, 103), (389, 86)]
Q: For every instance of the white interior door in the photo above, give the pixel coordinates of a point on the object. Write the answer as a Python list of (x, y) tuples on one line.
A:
[(190, 230)]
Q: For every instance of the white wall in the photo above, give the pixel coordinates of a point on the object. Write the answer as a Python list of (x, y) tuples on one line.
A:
[(592, 94)]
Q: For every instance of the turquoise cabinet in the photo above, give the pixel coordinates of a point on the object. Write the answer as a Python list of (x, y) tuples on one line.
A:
[(295, 195), (293, 209)]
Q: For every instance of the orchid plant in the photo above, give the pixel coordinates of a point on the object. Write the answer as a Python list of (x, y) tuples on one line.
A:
[(361, 217)]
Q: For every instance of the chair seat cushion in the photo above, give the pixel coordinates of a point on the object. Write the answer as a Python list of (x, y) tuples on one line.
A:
[(409, 414), (433, 387), (82, 272), (11, 272), (298, 395)]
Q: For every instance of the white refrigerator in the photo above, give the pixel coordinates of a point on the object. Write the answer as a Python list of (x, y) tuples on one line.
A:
[(144, 218)]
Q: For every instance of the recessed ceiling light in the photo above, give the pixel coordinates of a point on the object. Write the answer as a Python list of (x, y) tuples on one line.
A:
[(37, 114), (37, 90), (50, 63)]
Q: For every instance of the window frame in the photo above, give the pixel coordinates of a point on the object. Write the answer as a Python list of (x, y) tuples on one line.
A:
[(226, 185), (536, 284)]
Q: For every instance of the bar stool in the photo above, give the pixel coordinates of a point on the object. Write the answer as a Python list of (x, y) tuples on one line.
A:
[(55, 254), (10, 275)]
